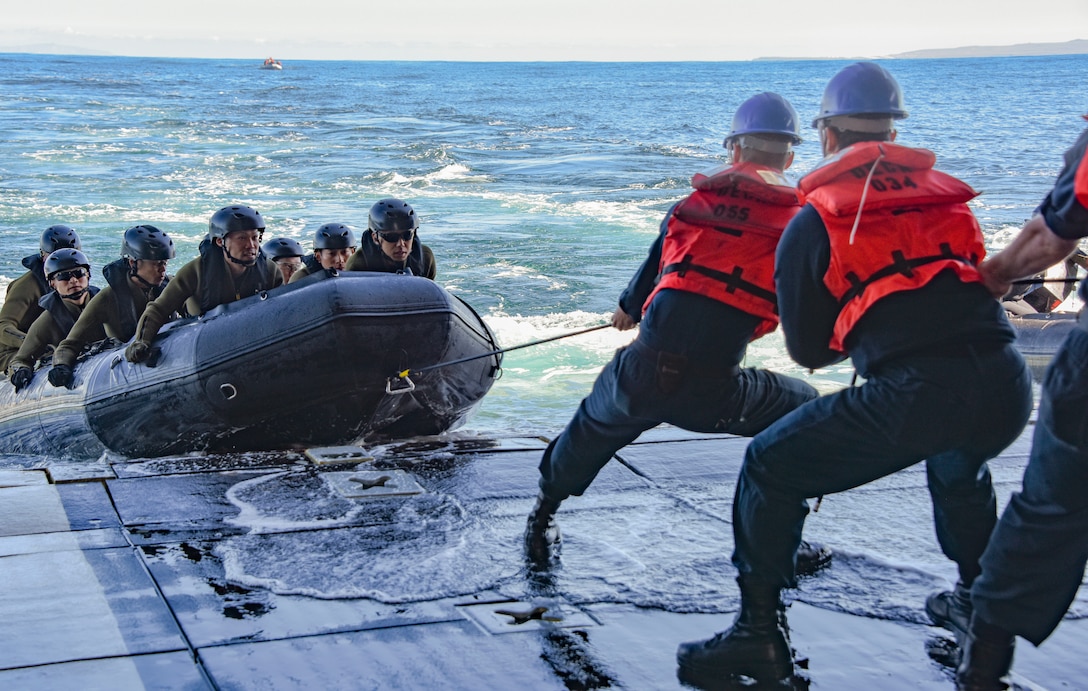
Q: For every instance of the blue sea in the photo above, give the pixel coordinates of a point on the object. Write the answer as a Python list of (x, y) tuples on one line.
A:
[(540, 186)]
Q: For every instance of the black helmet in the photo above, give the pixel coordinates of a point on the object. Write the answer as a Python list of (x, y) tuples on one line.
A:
[(64, 259), (232, 219), (334, 236), (147, 242), (278, 248), (392, 215), (57, 237)]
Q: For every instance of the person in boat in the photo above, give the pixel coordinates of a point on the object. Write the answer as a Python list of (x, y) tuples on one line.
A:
[(21, 306), (334, 244), (132, 281), (880, 265), (69, 276), (230, 267), (1034, 562), (391, 242), (697, 316), (286, 254)]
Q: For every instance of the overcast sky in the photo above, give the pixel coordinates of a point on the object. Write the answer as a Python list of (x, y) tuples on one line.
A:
[(532, 29)]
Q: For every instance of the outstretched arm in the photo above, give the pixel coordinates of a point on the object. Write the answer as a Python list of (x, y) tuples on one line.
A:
[(1035, 249)]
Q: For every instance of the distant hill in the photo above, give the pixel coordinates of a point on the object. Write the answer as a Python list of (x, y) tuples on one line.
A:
[(1077, 46)]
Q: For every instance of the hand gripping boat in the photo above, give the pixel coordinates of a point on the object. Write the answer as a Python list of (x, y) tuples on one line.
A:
[(310, 364)]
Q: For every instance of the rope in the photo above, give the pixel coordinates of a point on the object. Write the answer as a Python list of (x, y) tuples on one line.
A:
[(1032, 281), (404, 373)]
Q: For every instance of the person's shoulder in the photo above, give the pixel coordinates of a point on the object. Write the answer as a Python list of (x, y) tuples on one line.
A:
[(300, 274), (24, 284)]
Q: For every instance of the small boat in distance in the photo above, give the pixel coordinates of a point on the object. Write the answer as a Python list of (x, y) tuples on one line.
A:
[(271, 64)]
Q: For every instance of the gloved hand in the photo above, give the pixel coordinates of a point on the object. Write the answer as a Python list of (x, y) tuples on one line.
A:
[(61, 375), (21, 377), (137, 351)]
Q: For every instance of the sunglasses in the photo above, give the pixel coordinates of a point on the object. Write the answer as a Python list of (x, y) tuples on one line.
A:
[(69, 275), (394, 238)]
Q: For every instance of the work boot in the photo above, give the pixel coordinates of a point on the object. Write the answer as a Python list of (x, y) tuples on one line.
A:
[(542, 536), (951, 609), (987, 657), (811, 558), (755, 646)]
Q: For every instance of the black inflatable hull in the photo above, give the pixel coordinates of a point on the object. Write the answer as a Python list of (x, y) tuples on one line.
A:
[(1039, 336), (303, 365)]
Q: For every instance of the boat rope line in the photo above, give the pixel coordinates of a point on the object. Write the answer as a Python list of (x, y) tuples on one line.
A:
[(404, 374), (1033, 281)]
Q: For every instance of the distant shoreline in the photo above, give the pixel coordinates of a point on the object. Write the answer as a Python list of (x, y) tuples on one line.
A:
[(1074, 47)]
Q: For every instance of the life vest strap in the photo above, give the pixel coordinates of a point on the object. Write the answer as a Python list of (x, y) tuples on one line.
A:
[(733, 281), (900, 265)]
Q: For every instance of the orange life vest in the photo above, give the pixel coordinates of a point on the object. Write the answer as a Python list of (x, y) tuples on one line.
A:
[(721, 239), (894, 223), (1080, 179)]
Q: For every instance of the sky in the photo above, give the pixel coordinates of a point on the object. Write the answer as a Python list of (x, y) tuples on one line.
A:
[(545, 30)]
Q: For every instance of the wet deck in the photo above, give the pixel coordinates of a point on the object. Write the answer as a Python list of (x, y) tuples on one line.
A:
[(272, 571)]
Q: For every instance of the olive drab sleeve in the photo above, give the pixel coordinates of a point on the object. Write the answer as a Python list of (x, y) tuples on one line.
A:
[(19, 311), (182, 286)]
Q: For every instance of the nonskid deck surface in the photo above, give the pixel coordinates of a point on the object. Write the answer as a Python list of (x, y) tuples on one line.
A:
[(400, 566)]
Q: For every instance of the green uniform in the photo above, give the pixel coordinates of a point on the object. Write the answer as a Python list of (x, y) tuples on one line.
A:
[(300, 274), (202, 284), (47, 331), (21, 308), (369, 257), (108, 314)]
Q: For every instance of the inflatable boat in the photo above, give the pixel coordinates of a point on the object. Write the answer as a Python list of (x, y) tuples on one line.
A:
[(320, 362), (1039, 335)]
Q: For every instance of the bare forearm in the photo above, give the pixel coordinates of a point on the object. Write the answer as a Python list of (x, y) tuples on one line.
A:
[(1033, 250)]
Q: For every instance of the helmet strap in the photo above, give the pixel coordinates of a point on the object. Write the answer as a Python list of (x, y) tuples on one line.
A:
[(74, 296), (233, 259), (132, 267)]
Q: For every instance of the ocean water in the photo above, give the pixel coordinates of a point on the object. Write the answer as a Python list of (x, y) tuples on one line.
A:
[(540, 186)]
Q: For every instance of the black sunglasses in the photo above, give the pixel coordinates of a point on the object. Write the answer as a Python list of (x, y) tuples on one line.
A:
[(394, 238), (68, 275)]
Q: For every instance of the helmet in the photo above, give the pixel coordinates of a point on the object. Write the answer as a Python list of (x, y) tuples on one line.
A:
[(391, 215), (864, 88), (64, 259), (334, 236), (231, 219), (766, 113), (277, 248), (58, 236), (147, 242)]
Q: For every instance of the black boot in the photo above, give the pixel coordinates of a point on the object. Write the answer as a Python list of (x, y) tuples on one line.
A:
[(756, 646), (811, 558), (951, 609), (542, 533), (987, 657)]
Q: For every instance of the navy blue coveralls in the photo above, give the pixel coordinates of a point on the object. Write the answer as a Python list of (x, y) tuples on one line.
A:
[(683, 369), (943, 384), (1035, 561)]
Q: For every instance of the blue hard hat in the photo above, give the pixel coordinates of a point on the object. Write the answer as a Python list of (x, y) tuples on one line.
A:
[(766, 113), (864, 88)]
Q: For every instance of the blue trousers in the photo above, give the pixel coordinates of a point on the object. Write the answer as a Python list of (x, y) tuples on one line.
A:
[(632, 394), (953, 411), (1035, 561)]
